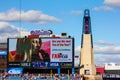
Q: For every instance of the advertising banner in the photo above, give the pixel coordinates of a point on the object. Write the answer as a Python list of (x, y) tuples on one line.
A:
[(54, 64), (3, 52), (25, 64), (15, 70), (39, 64), (13, 64), (66, 65), (61, 50)]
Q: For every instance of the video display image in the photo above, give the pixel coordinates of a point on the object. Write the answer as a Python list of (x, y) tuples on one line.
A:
[(40, 50), (28, 49)]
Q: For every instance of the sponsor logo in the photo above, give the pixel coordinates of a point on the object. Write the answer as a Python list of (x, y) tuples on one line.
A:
[(66, 64), (39, 64), (25, 64), (59, 55), (15, 71), (53, 64), (41, 32), (3, 52)]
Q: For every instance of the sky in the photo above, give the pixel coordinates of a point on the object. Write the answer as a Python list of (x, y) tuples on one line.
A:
[(19, 17)]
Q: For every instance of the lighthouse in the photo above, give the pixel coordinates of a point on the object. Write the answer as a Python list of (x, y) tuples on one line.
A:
[(87, 54)]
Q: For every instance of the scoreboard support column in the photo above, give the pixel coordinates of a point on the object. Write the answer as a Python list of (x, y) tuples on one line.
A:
[(73, 70), (68, 74), (51, 73), (58, 71)]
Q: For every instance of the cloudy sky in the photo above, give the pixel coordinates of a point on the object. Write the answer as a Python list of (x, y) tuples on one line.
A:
[(19, 17)]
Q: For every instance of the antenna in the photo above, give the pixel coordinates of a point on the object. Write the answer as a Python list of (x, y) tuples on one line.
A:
[(20, 17)]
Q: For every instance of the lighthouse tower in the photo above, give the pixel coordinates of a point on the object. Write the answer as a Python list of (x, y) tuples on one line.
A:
[(87, 55)]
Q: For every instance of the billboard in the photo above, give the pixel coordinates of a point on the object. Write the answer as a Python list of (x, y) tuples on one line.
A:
[(61, 50), (15, 70), (31, 50), (3, 52), (45, 65)]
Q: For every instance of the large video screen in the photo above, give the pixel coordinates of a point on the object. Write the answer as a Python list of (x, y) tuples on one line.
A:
[(40, 50)]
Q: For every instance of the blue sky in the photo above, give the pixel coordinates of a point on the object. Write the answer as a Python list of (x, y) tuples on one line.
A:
[(66, 16)]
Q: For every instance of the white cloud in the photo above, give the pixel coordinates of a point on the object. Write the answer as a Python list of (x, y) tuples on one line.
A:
[(101, 42), (107, 49), (10, 31), (105, 8), (77, 12), (107, 58), (77, 49), (32, 16), (112, 2)]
